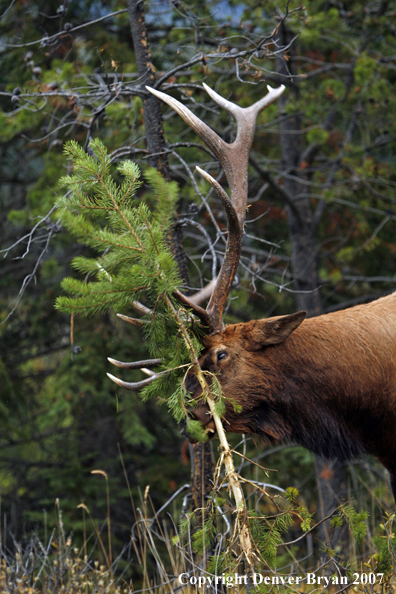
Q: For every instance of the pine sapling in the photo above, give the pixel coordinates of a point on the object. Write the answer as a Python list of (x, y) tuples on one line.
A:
[(135, 264)]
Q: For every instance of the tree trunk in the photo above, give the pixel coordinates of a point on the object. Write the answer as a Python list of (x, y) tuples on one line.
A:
[(201, 460), (151, 105), (201, 478), (331, 476)]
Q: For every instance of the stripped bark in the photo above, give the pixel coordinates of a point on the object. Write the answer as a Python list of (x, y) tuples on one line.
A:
[(245, 538)]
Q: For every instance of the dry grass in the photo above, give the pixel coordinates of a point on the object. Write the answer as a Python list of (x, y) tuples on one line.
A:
[(60, 568), (156, 557), (36, 570)]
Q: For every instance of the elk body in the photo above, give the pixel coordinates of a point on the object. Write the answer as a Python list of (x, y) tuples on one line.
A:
[(327, 383)]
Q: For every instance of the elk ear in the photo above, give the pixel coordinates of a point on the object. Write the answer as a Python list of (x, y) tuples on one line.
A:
[(273, 330)]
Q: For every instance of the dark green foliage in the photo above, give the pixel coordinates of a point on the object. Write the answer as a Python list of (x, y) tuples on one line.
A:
[(203, 531)]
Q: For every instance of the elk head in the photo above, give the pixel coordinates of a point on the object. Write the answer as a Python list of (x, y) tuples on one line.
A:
[(240, 358), (221, 353)]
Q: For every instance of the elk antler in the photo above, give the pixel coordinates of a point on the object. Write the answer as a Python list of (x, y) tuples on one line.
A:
[(135, 321), (136, 365), (234, 161)]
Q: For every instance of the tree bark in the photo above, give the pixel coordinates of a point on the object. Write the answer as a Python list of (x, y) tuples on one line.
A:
[(201, 460), (151, 105)]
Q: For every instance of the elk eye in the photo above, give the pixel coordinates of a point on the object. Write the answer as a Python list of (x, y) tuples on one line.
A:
[(221, 355)]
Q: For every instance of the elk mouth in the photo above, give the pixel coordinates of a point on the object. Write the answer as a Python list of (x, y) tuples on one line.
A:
[(203, 415)]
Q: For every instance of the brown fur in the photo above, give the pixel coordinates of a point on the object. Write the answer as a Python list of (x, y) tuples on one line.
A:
[(328, 383)]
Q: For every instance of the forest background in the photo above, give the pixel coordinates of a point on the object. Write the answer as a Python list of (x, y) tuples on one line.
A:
[(320, 233)]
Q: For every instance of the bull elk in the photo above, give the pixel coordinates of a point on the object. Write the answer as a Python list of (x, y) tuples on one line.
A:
[(327, 383)]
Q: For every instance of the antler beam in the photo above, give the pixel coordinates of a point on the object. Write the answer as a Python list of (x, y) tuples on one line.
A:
[(234, 160)]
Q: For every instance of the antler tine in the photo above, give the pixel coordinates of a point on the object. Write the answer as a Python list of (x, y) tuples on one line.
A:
[(272, 95), (204, 293), (235, 110), (134, 321), (132, 385), (232, 218), (135, 364), (224, 103), (140, 308), (199, 311), (210, 138)]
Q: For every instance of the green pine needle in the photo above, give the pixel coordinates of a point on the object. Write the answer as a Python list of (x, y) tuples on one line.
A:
[(133, 259)]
